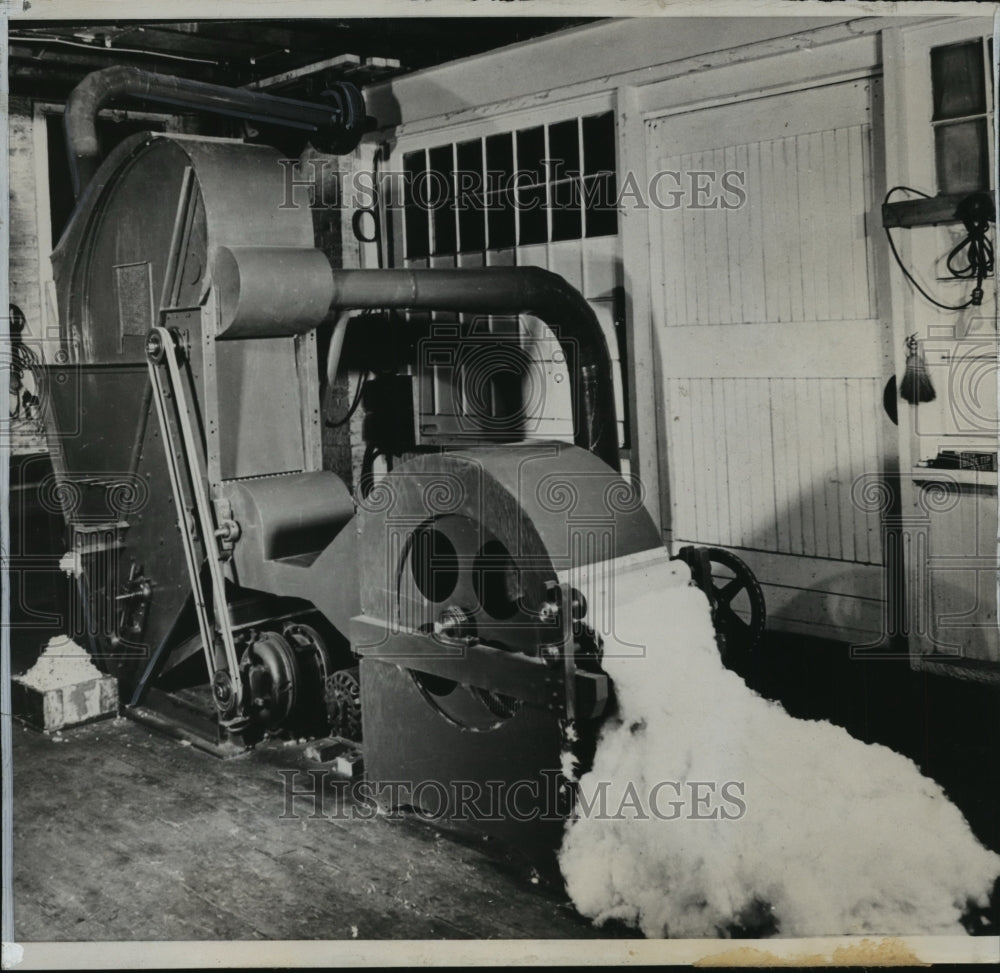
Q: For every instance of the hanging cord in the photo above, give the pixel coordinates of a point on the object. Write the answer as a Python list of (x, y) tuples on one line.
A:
[(23, 362), (374, 211), (362, 382), (976, 245), (975, 212)]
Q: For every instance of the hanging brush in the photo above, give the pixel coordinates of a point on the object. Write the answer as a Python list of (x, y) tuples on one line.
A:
[(916, 385)]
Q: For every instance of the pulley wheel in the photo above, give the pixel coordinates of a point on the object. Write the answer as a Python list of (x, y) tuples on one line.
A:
[(353, 118), (270, 672), (314, 667)]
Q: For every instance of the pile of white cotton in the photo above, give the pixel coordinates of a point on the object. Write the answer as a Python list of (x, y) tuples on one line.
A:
[(709, 808), (62, 663)]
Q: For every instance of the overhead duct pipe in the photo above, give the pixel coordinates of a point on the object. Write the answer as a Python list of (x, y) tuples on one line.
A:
[(336, 127), (257, 285)]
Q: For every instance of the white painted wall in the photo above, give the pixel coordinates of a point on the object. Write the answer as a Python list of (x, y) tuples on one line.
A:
[(672, 66), (605, 55)]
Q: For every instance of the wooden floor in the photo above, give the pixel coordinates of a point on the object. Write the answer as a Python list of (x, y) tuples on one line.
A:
[(124, 834), (120, 833)]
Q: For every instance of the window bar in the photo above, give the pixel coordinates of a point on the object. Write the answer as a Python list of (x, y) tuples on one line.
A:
[(547, 178), (515, 203), (455, 202)]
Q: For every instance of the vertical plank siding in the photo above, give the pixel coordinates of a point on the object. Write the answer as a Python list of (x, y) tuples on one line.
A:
[(765, 437), (795, 252), (748, 469)]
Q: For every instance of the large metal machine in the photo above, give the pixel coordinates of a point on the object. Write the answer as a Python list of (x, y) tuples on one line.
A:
[(233, 585)]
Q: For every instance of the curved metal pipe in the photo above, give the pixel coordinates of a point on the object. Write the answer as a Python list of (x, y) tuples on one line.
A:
[(341, 125), (336, 346), (509, 290)]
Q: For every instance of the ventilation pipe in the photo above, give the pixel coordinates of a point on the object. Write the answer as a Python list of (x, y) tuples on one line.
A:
[(334, 127), (258, 287)]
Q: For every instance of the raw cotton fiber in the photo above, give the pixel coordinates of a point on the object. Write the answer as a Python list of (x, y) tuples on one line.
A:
[(62, 663), (834, 837), (71, 564)]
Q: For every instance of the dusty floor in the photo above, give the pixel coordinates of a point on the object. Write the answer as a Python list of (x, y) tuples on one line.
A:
[(121, 833)]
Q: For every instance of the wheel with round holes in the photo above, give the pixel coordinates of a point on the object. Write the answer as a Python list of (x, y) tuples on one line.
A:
[(738, 609)]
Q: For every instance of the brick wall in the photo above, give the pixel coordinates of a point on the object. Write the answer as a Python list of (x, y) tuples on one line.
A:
[(24, 259)]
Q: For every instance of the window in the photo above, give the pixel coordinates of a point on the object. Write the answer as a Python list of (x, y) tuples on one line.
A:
[(962, 84), (539, 184)]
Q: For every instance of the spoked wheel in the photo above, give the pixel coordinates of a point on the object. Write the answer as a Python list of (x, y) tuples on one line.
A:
[(737, 605)]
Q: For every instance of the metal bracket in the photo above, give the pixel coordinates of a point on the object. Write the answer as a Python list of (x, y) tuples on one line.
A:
[(134, 599), (228, 532), (568, 654)]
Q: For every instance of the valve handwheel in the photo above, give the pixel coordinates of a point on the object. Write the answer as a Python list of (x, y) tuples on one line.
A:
[(736, 600), (737, 605)]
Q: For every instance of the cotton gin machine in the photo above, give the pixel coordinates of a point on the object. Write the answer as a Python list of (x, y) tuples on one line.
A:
[(235, 587)]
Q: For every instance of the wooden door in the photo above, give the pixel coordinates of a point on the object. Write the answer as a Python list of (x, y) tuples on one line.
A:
[(772, 353)]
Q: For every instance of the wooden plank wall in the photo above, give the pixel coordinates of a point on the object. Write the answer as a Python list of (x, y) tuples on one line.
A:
[(749, 265), (750, 471), (769, 429)]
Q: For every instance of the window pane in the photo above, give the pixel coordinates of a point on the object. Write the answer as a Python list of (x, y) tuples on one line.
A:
[(531, 214), (500, 219), (530, 152), (958, 80), (469, 169), (499, 160), (564, 200), (471, 199), (564, 149), (599, 143), (442, 197), (414, 173), (471, 224), (599, 205), (962, 156)]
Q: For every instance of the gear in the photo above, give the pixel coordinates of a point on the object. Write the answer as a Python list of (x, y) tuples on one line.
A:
[(343, 703)]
